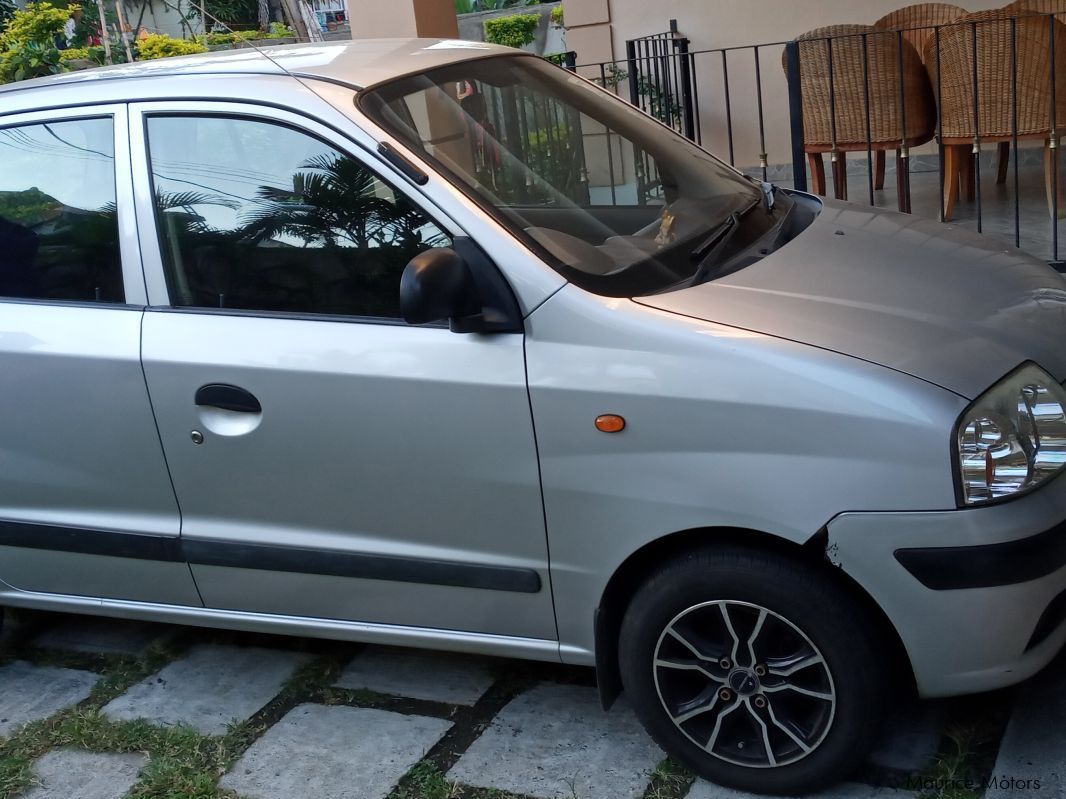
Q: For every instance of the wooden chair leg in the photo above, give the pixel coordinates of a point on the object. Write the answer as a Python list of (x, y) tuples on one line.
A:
[(1003, 159), (817, 165), (840, 176), (967, 175), (1053, 180), (879, 170), (952, 169)]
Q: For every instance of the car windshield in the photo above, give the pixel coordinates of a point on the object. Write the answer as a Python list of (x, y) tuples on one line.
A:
[(617, 203)]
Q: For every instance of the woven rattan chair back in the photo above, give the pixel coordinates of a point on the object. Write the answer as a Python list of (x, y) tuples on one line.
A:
[(1025, 7), (995, 56), (843, 122), (917, 21)]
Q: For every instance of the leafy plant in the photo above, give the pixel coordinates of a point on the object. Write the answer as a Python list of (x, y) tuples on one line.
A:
[(7, 8), (516, 30), (557, 16), (279, 30), (38, 22), (74, 54), (156, 45), (231, 12), (27, 42), (30, 60)]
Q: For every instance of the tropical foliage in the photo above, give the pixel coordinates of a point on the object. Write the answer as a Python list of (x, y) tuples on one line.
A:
[(27, 41), (516, 30), (7, 8), (156, 45)]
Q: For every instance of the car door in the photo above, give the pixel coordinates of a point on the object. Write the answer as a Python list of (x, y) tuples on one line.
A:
[(330, 461), (86, 505)]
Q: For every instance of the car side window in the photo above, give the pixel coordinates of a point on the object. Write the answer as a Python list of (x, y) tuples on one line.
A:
[(58, 218), (259, 216)]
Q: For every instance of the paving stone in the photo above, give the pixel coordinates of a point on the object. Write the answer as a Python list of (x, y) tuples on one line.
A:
[(333, 753), (910, 739), (77, 774), (29, 692), (209, 688), (702, 789), (1033, 749), (556, 741), (98, 634), (419, 674)]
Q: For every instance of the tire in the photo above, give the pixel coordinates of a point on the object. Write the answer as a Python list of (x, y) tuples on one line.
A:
[(813, 697)]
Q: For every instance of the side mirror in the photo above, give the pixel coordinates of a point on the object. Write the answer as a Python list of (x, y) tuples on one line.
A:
[(437, 284)]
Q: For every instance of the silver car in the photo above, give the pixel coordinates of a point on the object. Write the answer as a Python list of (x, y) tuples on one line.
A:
[(433, 343)]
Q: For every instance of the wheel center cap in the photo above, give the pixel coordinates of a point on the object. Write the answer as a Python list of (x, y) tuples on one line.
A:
[(743, 681)]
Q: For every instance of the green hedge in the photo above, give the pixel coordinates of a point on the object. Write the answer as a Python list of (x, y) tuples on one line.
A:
[(513, 31)]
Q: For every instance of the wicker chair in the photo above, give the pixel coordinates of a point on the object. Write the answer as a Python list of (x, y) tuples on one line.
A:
[(994, 81), (841, 128), (917, 21), (1021, 8)]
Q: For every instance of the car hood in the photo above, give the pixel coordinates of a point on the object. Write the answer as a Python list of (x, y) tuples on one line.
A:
[(942, 304)]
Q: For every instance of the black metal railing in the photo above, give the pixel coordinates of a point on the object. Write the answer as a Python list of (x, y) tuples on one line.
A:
[(752, 106)]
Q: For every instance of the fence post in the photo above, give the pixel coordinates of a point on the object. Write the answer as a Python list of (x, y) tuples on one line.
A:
[(631, 68), (687, 106), (570, 60), (795, 114)]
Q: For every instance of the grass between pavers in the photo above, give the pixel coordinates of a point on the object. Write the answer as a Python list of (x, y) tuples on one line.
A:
[(967, 757), (184, 764)]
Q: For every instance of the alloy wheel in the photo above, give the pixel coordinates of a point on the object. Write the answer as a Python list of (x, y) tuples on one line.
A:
[(744, 684)]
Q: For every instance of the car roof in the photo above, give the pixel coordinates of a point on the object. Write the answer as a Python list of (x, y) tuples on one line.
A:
[(357, 63)]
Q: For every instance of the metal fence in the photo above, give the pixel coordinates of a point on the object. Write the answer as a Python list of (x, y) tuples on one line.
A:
[(995, 86)]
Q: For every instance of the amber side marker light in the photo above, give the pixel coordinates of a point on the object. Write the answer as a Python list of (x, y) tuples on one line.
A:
[(610, 423)]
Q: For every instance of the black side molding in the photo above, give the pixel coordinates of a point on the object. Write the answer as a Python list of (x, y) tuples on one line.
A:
[(89, 542), (988, 566), (372, 567), (269, 558)]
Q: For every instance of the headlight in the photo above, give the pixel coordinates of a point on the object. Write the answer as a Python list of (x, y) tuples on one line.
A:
[(1013, 437)]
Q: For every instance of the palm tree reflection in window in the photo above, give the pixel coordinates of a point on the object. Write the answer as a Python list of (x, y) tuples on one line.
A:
[(335, 243)]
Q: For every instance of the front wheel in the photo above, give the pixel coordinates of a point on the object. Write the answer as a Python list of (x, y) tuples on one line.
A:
[(754, 670)]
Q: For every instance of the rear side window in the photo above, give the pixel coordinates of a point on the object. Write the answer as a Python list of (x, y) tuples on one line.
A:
[(259, 216), (58, 219)]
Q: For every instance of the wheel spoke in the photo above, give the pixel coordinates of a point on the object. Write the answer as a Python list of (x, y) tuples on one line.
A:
[(770, 757), (732, 633), (802, 744), (681, 665), (697, 711), (786, 667), (689, 645), (755, 634), (713, 739), (773, 689)]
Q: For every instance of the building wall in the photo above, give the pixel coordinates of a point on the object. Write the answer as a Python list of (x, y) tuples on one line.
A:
[(598, 29)]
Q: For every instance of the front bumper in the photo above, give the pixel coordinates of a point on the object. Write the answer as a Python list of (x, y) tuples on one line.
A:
[(977, 595)]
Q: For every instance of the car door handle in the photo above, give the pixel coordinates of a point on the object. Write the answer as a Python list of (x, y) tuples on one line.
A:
[(228, 398)]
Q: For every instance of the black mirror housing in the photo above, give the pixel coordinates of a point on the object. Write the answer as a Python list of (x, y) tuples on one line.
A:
[(437, 284), (461, 285)]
